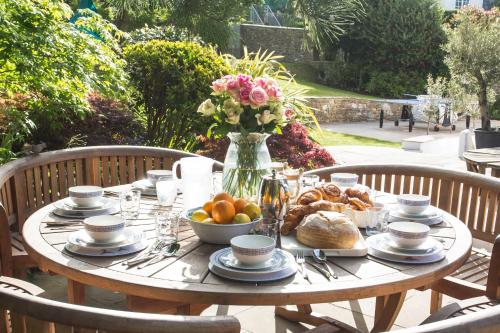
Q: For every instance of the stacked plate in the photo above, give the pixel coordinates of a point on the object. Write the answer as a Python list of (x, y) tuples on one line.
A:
[(130, 241), (431, 216), (383, 247), (224, 264), (67, 208), (145, 186)]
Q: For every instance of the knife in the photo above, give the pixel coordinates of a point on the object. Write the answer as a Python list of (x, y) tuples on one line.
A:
[(321, 270)]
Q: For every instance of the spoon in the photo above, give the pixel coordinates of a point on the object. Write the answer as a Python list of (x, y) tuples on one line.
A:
[(320, 257)]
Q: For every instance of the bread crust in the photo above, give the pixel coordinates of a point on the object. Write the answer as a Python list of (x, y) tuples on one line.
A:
[(295, 215)]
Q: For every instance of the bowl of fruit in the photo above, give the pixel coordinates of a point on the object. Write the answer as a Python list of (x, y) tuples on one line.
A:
[(223, 218)]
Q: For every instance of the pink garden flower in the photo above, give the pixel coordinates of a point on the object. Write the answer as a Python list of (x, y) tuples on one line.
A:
[(244, 80), (219, 86), (232, 85), (244, 96), (258, 97), (274, 93)]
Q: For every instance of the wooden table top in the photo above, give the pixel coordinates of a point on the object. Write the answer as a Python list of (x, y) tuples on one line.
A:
[(483, 156), (186, 277)]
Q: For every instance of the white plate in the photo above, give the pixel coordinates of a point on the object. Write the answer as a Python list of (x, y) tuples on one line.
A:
[(227, 259), (428, 213), (121, 251), (379, 248), (109, 207), (82, 239), (425, 247), (291, 244), (395, 215), (287, 268), (70, 204)]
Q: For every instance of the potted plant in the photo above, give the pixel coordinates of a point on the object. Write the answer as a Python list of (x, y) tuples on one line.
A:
[(473, 57)]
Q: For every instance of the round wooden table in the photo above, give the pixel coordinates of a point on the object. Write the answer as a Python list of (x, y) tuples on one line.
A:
[(185, 281), (478, 160)]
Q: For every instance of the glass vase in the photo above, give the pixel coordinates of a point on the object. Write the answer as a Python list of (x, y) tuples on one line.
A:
[(247, 161)]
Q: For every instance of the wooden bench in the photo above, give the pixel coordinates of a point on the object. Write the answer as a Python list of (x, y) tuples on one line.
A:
[(24, 311), (29, 183), (472, 198)]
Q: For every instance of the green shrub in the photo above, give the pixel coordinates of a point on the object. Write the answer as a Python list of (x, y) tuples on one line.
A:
[(168, 33), (171, 80), (391, 84)]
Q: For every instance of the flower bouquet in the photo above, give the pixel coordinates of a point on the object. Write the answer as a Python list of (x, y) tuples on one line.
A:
[(247, 110)]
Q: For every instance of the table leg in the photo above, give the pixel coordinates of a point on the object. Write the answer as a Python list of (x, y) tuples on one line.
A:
[(76, 292), (141, 304), (305, 315), (386, 311)]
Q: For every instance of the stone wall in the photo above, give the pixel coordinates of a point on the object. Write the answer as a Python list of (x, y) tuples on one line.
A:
[(343, 109), (284, 41)]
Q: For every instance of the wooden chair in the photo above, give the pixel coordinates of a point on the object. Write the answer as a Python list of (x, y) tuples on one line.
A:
[(24, 311), (29, 183), (473, 198)]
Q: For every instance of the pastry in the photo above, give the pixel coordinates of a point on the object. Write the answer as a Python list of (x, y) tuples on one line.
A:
[(358, 204), (332, 192), (309, 196), (295, 215), (361, 195), (328, 230)]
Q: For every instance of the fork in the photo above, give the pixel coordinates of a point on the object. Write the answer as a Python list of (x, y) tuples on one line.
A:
[(154, 249), (302, 262)]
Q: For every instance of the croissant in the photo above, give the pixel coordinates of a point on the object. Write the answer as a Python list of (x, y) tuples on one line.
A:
[(358, 204), (309, 196), (361, 195), (333, 193), (296, 214)]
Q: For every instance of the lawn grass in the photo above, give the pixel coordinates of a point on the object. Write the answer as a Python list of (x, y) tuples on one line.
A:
[(329, 138)]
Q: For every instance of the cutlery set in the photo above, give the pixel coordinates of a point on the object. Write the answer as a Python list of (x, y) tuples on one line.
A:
[(321, 264), (154, 254)]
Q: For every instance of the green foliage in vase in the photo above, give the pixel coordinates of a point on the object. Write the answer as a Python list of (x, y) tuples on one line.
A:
[(46, 57), (394, 47), (171, 79), (473, 53)]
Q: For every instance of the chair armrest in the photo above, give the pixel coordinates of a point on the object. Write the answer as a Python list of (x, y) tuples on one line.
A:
[(21, 286), (493, 284), (6, 260)]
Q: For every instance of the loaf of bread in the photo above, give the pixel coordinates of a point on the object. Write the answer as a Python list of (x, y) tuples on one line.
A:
[(327, 230), (297, 213)]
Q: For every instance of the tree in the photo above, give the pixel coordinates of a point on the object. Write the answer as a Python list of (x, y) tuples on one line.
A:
[(55, 63), (473, 53)]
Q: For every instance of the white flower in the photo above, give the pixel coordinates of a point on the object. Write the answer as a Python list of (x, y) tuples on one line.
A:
[(265, 118), (232, 106), (233, 118), (207, 108)]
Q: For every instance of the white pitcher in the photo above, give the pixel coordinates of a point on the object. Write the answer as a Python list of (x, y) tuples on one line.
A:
[(197, 180)]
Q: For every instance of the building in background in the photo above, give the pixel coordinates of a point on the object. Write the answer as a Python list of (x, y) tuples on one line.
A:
[(457, 4)]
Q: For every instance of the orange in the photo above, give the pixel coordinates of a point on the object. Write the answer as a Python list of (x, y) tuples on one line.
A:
[(252, 210), (223, 196), (209, 221), (223, 212), (207, 207), (239, 205)]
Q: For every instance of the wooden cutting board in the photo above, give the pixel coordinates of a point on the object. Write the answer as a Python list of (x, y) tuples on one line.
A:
[(291, 244)]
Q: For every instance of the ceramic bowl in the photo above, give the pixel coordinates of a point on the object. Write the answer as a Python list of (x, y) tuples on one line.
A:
[(155, 175), (86, 196), (408, 234), (253, 249), (413, 204), (217, 233), (344, 179), (104, 228)]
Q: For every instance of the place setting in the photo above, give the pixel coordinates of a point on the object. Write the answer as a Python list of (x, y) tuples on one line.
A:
[(85, 201), (416, 208)]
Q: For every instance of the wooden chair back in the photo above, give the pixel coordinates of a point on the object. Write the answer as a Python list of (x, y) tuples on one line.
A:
[(472, 198), (29, 183), (29, 313)]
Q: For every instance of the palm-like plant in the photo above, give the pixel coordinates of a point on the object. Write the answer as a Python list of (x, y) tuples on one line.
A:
[(327, 20)]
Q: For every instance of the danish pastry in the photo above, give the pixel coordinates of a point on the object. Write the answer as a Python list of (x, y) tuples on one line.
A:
[(309, 196)]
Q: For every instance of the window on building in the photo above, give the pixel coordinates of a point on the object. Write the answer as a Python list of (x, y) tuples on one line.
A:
[(460, 3)]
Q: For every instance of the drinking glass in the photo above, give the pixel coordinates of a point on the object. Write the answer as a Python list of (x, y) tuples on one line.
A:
[(166, 191), (268, 227), (309, 181), (130, 202), (167, 226), (377, 219)]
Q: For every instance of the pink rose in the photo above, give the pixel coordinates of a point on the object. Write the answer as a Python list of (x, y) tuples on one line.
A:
[(261, 82), (274, 93), (219, 86), (244, 80), (232, 85), (258, 97), (228, 77), (245, 95)]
